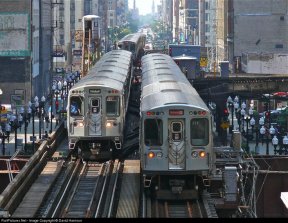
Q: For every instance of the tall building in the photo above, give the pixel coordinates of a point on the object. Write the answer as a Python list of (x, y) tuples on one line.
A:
[(25, 32), (260, 36), (167, 18), (188, 21)]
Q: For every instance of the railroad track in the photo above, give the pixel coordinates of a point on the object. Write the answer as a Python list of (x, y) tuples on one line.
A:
[(84, 190), (178, 209), (201, 208), (81, 190)]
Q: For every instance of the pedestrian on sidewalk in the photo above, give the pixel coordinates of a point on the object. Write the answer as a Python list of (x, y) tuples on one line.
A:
[(29, 114), (46, 135), (20, 119), (57, 119), (47, 120), (8, 130), (2, 136)]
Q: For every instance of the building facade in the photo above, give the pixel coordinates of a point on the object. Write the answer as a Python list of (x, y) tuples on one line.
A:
[(24, 61)]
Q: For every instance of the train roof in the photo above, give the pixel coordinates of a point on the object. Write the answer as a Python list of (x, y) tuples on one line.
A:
[(164, 87), (132, 37), (109, 71)]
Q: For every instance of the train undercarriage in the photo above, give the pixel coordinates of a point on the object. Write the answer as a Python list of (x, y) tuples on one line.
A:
[(174, 187), (100, 150)]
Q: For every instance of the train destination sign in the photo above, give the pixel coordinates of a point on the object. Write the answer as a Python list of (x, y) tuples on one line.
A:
[(94, 91)]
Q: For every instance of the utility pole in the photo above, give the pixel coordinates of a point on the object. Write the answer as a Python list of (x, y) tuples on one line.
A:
[(54, 25)]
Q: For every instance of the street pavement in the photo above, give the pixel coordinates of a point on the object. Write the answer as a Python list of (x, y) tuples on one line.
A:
[(10, 144), (261, 149)]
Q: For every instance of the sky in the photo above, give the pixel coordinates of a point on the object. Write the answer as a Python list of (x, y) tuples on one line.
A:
[(144, 6)]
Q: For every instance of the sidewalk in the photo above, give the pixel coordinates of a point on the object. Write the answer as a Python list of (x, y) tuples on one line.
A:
[(260, 150), (10, 145)]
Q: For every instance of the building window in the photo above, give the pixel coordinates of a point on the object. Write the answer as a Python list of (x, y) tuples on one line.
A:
[(207, 17), (206, 5), (279, 46), (207, 28)]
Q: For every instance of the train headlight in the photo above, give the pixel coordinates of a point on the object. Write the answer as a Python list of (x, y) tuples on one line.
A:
[(110, 123), (196, 154), (151, 155), (78, 124), (202, 154)]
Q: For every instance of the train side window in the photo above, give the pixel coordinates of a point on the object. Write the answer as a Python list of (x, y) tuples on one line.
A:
[(76, 106), (112, 106), (95, 106), (153, 132), (199, 129)]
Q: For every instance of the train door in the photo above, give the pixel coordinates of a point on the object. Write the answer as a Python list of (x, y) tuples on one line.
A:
[(176, 135), (95, 121)]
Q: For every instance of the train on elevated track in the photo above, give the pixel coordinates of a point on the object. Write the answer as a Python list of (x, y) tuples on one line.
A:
[(97, 107), (176, 140), (135, 43)]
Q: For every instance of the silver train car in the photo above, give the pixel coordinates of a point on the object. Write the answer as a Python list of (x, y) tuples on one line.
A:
[(176, 140), (135, 43), (97, 107)]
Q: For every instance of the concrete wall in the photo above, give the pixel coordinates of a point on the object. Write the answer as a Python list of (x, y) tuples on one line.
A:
[(15, 48), (265, 63), (258, 26)]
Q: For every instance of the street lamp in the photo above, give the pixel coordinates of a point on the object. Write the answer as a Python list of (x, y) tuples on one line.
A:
[(59, 87), (247, 118), (64, 95), (242, 112), (261, 121), (262, 132), (33, 108), (285, 143), (25, 118), (252, 123), (231, 108), (40, 114), (250, 111), (14, 123), (275, 143), (51, 106)]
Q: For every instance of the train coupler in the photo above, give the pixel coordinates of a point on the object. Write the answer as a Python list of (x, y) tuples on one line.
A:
[(147, 181), (206, 182), (176, 186), (118, 144)]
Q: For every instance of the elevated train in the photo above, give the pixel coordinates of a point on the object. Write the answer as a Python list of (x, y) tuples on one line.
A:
[(97, 107), (176, 143), (135, 43)]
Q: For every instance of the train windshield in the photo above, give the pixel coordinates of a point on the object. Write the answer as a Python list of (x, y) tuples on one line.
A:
[(199, 132), (112, 106), (76, 106), (153, 132)]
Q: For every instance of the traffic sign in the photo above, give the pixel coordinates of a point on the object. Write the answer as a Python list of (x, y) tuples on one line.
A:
[(225, 125), (203, 61)]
